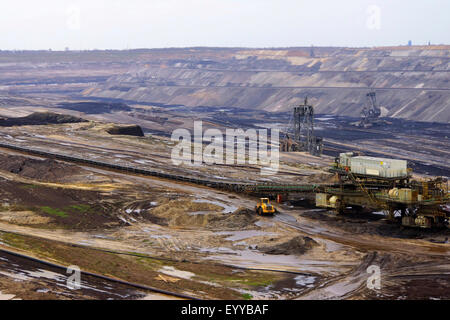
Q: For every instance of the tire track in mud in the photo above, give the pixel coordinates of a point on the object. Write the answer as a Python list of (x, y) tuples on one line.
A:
[(345, 286), (400, 265), (383, 251)]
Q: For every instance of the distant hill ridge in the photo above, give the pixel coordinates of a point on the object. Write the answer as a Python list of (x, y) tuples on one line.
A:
[(40, 118)]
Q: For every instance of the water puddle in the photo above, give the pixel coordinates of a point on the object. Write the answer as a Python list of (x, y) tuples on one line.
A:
[(263, 224), (162, 236), (305, 281), (256, 259), (138, 211), (217, 250), (196, 213), (244, 234), (171, 271)]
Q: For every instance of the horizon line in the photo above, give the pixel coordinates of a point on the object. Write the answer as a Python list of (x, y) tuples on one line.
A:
[(67, 49)]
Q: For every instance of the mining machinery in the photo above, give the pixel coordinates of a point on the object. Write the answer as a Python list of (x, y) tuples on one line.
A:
[(371, 112), (303, 138), (386, 185), (376, 183), (264, 207)]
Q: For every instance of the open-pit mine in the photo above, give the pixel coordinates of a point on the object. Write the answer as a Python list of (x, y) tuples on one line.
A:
[(88, 175)]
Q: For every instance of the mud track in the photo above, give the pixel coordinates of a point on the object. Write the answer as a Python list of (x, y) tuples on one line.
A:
[(406, 263)]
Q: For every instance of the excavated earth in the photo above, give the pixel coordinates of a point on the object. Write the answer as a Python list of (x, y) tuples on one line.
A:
[(297, 245), (411, 81), (40, 169), (186, 228), (201, 241)]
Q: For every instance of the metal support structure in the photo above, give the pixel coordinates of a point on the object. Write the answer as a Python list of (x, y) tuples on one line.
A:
[(304, 130)]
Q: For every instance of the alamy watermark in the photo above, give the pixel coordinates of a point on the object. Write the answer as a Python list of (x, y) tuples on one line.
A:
[(73, 21), (235, 146), (74, 279), (374, 281), (373, 21)]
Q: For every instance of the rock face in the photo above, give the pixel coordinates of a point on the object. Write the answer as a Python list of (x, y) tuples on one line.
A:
[(411, 82), (40, 118), (131, 130)]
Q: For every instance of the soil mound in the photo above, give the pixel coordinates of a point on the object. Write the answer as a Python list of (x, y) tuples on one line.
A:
[(185, 213), (297, 245), (131, 130), (45, 170), (242, 218)]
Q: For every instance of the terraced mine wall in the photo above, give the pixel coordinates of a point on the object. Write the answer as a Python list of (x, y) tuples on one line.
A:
[(411, 82)]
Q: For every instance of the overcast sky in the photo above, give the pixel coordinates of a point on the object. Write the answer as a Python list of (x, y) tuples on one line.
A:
[(121, 24)]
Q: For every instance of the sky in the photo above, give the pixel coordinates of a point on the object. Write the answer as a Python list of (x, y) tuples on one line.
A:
[(128, 24)]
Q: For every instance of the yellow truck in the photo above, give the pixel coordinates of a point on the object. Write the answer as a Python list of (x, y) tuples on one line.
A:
[(263, 207)]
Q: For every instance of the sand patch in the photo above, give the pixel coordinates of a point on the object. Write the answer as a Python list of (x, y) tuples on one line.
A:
[(23, 218), (178, 213), (171, 271)]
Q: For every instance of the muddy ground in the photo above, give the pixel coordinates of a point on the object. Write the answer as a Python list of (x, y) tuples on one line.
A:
[(197, 240), (192, 227), (157, 219), (39, 281), (39, 169), (376, 223)]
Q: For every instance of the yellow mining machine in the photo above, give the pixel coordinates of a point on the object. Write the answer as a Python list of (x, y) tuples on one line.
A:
[(263, 207)]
